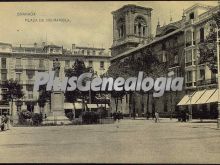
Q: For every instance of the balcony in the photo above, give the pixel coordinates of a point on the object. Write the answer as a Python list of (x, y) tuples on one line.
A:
[(20, 82), (18, 67), (30, 82), (41, 68), (189, 84), (190, 43), (30, 67), (207, 82)]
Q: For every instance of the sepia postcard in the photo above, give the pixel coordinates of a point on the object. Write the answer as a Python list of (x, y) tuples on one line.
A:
[(110, 82)]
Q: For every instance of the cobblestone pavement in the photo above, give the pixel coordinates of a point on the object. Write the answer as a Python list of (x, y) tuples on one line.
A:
[(129, 141)]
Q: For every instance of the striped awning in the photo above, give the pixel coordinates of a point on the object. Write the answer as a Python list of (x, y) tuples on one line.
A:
[(78, 106), (213, 98), (92, 106), (103, 105), (195, 97), (206, 96), (184, 100), (68, 106)]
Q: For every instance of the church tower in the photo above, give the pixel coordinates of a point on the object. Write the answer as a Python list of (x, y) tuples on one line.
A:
[(131, 26)]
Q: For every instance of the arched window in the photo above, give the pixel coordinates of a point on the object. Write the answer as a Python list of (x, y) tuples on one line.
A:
[(121, 27), (140, 26)]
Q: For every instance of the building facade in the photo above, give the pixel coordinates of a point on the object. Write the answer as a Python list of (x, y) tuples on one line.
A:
[(22, 62), (177, 45)]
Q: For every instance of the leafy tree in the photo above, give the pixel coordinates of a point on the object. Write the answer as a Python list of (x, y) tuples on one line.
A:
[(130, 67), (13, 93), (77, 69), (44, 96), (208, 48)]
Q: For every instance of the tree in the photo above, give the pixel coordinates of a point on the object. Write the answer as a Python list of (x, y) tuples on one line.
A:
[(44, 96), (208, 48), (14, 92), (130, 67), (77, 69)]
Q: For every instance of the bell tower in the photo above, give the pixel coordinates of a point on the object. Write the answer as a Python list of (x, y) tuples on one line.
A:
[(131, 26)]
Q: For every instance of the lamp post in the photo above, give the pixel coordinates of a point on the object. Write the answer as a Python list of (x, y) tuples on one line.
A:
[(217, 42)]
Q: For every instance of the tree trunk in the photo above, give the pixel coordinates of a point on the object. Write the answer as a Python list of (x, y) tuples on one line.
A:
[(130, 104), (12, 112), (116, 104), (147, 108)]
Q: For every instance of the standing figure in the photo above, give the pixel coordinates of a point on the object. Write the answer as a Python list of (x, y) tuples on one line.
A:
[(156, 117), (56, 67)]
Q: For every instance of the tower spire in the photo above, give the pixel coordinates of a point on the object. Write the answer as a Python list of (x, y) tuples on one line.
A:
[(171, 19), (158, 23)]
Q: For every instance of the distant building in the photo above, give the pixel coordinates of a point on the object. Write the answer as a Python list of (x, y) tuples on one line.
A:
[(22, 62)]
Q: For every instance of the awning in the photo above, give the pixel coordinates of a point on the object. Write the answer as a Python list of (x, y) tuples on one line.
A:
[(4, 107), (213, 98), (92, 106), (78, 106), (68, 106), (184, 100), (205, 97), (195, 97), (103, 105)]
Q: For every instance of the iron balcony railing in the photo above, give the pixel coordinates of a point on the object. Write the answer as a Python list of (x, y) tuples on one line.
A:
[(30, 67), (207, 82)]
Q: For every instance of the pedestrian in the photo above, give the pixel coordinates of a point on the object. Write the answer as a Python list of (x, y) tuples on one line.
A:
[(156, 117), (2, 123), (6, 121)]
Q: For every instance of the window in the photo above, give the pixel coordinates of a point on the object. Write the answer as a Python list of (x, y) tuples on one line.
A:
[(3, 76), (18, 76), (93, 52), (90, 64), (188, 38), (188, 56), (175, 59), (164, 57), (202, 74), (88, 52), (30, 94), (41, 63), (189, 76), (143, 31), (83, 52), (102, 64), (202, 38), (30, 74), (140, 26), (3, 62), (67, 63), (30, 61), (191, 15), (121, 27)]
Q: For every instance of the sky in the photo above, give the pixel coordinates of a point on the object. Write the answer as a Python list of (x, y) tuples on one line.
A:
[(87, 23)]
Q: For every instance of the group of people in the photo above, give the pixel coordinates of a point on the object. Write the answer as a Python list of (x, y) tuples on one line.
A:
[(4, 122), (117, 116)]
